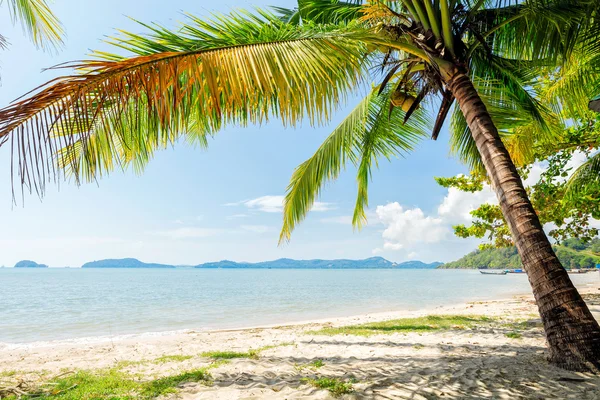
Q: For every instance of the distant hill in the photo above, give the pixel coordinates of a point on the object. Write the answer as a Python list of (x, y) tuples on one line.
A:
[(572, 253), (123, 263), (29, 264), (283, 263), (286, 263)]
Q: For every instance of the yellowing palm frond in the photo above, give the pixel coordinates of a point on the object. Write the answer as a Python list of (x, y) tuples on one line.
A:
[(38, 20), (145, 102)]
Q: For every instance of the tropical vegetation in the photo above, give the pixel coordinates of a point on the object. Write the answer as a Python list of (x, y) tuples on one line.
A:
[(36, 18), (573, 254), (301, 64)]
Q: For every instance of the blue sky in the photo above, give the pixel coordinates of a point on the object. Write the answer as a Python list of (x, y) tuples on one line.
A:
[(191, 205)]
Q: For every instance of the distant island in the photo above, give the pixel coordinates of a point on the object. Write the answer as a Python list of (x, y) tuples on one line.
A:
[(572, 253), (29, 264), (283, 263), (286, 263), (123, 263)]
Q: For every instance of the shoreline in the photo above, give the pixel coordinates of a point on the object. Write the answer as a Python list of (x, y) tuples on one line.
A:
[(333, 321), (498, 353)]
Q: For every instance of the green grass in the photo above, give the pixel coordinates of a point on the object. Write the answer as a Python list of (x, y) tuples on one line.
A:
[(313, 365), (109, 384), (336, 386), (228, 355), (252, 353), (173, 358), (169, 384), (421, 324), (114, 384), (513, 335)]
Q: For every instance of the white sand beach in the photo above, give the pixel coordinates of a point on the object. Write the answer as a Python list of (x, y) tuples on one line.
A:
[(473, 362)]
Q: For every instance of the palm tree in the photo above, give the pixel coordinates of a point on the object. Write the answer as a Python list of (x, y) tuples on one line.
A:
[(37, 19), (483, 55)]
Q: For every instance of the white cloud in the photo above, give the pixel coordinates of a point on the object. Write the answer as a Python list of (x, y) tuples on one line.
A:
[(410, 232), (188, 233), (537, 168), (274, 204), (270, 204), (406, 228), (457, 205), (256, 228), (534, 174)]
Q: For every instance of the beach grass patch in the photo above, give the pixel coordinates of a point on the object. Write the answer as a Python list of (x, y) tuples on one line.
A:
[(169, 384), (314, 365), (229, 355), (419, 324), (252, 353), (513, 335), (8, 373), (114, 384), (171, 358), (108, 384), (335, 386)]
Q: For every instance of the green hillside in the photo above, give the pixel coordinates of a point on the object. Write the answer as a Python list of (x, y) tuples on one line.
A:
[(572, 253)]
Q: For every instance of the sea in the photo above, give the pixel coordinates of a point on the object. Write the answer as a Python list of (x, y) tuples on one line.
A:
[(56, 303)]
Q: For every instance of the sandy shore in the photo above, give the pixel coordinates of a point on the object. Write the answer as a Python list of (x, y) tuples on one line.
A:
[(472, 363)]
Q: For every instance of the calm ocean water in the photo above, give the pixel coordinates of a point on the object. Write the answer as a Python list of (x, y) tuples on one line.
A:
[(53, 304)]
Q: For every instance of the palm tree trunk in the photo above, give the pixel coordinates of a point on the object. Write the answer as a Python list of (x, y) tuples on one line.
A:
[(572, 333)]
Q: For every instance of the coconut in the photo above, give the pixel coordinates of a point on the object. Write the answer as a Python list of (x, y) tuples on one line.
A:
[(403, 100)]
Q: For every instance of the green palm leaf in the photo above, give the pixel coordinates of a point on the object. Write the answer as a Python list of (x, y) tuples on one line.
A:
[(587, 175), (329, 11), (368, 133), (38, 20)]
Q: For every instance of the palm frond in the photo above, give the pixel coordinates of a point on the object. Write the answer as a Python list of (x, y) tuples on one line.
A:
[(177, 84), (3, 42), (329, 11), (587, 175), (370, 132), (570, 87), (38, 20), (533, 29)]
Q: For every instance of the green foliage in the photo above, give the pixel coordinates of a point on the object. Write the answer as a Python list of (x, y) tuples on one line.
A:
[(461, 182), (556, 200), (427, 323), (513, 335), (501, 258), (37, 19), (248, 66), (336, 386), (508, 258), (372, 131)]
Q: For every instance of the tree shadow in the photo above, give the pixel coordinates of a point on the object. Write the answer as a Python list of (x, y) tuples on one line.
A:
[(461, 372)]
